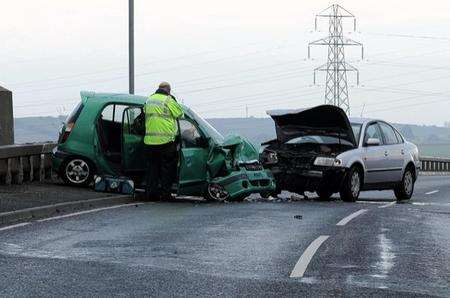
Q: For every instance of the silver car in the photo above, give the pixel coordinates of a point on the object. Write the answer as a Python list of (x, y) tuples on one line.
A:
[(321, 150)]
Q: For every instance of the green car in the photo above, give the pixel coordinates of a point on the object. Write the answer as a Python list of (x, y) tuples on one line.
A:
[(104, 136)]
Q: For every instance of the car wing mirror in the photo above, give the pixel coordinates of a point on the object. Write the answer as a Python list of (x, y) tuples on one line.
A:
[(373, 142)]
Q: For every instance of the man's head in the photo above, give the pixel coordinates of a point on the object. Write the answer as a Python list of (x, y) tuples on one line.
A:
[(165, 86)]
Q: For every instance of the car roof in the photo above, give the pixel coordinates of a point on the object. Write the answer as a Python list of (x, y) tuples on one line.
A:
[(122, 97), (359, 120), (106, 97)]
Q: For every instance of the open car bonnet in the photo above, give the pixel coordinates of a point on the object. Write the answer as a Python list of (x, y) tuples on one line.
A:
[(325, 120)]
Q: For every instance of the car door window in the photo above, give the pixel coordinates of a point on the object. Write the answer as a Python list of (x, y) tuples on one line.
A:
[(190, 136), (399, 137), (388, 134), (372, 132)]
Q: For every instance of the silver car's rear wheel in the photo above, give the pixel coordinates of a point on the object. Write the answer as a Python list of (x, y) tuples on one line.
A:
[(405, 189)]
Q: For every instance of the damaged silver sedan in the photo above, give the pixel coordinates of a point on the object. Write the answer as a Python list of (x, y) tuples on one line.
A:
[(320, 150)]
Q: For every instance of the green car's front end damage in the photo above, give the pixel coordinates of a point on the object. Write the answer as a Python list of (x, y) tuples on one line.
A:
[(235, 167)]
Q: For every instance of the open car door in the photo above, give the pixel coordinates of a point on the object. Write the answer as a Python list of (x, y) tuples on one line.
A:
[(133, 150), (194, 152)]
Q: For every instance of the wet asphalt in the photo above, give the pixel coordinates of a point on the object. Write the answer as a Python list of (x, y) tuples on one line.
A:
[(193, 248)]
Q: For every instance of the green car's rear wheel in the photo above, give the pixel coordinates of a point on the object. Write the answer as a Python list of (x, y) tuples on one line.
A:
[(77, 171)]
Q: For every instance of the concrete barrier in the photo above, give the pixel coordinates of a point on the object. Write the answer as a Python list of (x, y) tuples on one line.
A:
[(28, 162), (435, 165)]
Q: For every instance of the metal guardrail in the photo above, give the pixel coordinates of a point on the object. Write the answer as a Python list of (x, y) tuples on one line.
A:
[(33, 162), (435, 164), (29, 162)]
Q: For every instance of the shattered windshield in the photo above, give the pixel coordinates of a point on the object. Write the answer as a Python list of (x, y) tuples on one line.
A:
[(356, 131), (207, 128)]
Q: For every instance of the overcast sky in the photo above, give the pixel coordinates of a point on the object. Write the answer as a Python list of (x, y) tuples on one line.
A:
[(222, 56)]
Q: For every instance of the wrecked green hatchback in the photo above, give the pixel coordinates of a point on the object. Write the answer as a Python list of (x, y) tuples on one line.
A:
[(104, 135)]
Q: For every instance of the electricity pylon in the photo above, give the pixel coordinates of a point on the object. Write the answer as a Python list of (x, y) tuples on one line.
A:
[(336, 90)]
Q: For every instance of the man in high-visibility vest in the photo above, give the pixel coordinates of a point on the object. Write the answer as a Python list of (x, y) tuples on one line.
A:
[(161, 129)]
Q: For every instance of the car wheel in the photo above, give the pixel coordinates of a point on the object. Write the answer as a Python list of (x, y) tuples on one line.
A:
[(352, 186), (216, 193), (77, 171), (405, 189), (324, 195)]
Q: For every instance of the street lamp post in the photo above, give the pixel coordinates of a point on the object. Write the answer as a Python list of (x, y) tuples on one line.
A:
[(131, 45)]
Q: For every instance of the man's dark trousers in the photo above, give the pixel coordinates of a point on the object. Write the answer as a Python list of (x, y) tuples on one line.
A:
[(161, 170)]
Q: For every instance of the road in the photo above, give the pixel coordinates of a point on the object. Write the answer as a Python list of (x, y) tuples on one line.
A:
[(291, 248)]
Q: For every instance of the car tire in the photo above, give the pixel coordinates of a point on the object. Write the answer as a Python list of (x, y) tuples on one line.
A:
[(324, 195), (216, 193), (77, 171), (405, 189), (351, 186)]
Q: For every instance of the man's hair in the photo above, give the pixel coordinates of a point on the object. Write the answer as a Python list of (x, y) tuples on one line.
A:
[(165, 86)]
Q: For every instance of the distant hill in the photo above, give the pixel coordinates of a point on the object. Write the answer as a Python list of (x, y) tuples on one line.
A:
[(432, 140)]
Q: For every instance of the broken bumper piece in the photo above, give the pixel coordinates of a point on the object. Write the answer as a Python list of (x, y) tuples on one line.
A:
[(244, 182)]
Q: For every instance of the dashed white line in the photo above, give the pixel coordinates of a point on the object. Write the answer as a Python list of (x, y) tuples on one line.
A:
[(432, 192), (305, 259), (14, 226), (345, 220), (388, 205), (86, 212)]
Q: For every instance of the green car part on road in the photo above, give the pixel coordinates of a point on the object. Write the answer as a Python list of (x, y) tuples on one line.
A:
[(104, 136)]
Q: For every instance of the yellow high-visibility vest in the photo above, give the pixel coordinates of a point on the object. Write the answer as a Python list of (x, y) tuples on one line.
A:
[(161, 114)]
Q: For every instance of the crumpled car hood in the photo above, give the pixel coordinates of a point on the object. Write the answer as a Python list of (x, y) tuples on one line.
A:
[(244, 151), (326, 120), (234, 150)]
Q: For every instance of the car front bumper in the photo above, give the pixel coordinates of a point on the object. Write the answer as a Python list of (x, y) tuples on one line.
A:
[(243, 183), (313, 179)]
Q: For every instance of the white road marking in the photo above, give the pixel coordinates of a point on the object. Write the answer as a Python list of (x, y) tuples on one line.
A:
[(432, 192), (388, 205), (308, 254), (345, 220), (370, 202), (87, 212), (430, 204), (14, 226)]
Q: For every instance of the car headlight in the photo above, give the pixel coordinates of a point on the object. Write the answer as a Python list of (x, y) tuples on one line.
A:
[(327, 162), (270, 157)]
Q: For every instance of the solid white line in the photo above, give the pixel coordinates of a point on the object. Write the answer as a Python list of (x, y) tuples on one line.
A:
[(432, 192), (87, 212), (388, 205), (430, 204), (345, 220), (307, 256), (14, 226), (370, 202)]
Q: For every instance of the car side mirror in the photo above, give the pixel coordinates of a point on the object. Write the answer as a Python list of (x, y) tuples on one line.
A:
[(373, 142)]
